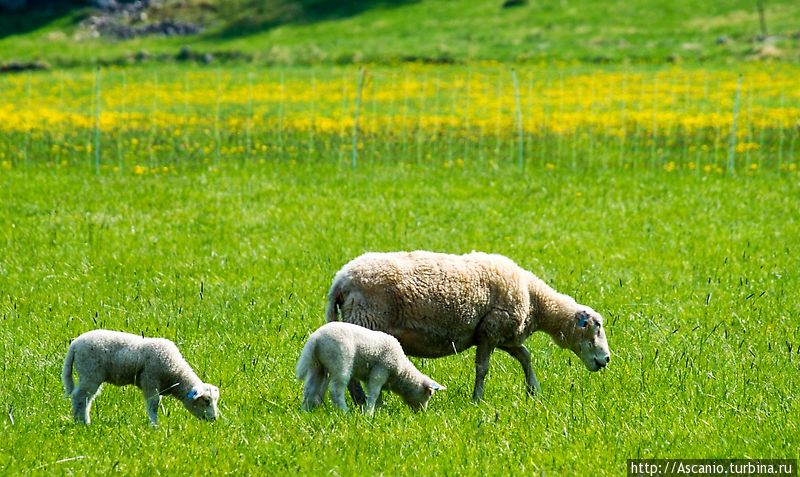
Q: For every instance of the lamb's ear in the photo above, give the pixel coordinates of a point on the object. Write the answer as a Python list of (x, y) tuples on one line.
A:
[(434, 386), (195, 394)]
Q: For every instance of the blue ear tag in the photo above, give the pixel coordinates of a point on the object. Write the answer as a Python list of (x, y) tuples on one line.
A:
[(582, 321), (192, 394)]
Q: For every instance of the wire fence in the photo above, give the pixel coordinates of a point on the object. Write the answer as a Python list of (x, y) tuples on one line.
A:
[(553, 117)]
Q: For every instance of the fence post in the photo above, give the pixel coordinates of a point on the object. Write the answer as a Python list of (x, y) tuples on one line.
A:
[(520, 152), (732, 147), (354, 161), (97, 121)]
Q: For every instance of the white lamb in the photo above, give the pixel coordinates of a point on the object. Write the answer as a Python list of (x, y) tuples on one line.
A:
[(153, 364), (439, 304), (339, 352)]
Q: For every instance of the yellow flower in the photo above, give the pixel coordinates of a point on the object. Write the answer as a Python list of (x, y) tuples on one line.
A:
[(746, 146), (659, 109), (139, 170)]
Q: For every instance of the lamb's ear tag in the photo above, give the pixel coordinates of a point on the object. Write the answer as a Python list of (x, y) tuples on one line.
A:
[(436, 386), (192, 394)]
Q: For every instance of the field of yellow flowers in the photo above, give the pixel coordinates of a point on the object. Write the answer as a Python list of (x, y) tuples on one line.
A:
[(155, 120)]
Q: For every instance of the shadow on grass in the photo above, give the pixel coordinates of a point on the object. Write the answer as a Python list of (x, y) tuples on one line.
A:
[(256, 16), (37, 14)]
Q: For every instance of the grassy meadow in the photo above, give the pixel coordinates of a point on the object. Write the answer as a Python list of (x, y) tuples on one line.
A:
[(330, 32), (212, 205), (696, 276)]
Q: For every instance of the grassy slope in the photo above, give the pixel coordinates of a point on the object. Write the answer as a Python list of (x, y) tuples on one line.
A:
[(697, 276), (454, 30)]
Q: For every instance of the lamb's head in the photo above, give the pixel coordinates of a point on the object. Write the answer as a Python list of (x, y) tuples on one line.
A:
[(417, 397), (584, 334), (202, 401)]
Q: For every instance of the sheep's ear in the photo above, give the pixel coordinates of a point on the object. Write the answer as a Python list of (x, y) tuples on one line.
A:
[(583, 319)]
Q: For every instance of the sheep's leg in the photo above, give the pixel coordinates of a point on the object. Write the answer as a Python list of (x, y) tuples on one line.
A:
[(377, 378), (521, 354), (82, 398), (338, 385), (356, 392), (482, 355)]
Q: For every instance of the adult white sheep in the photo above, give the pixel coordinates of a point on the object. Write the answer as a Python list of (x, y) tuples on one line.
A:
[(339, 352), (439, 304), (153, 364)]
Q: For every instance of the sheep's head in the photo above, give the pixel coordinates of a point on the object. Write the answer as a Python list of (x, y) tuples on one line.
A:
[(418, 398), (584, 334), (202, 401)]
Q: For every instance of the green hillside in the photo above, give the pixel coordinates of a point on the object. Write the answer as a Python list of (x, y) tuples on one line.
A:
[(326, 32)]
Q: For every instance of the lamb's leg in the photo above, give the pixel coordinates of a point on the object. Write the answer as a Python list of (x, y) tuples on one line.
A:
[(482, 355), (152, 408), (314, 388), (338, 385), (356, 392), (521, 354), (377, 378), (152, 399), (323, 387), (82, 398)]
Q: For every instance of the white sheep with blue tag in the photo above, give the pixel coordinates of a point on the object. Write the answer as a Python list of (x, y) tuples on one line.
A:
[(438, 304), (152, 364), (338, 352)]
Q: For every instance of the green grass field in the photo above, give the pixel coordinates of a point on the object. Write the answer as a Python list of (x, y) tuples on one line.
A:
[(696, 276), (337, 32)]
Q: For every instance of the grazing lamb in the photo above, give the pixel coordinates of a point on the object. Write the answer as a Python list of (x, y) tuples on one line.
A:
[(338, 352), (438, 304), (153, 364)]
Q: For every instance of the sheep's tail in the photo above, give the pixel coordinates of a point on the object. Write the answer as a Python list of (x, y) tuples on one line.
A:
[(66, 372), (306, 360), (335, 300)]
